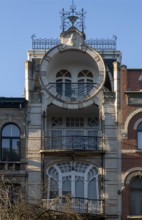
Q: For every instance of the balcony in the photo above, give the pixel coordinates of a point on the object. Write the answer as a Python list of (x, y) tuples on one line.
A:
[(75, 204), (72, 144), (72, 92)]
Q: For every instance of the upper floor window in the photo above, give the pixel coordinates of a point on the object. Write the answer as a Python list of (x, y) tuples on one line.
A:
[(63, 83), (11, 143), (139, 136), (85, 82), (136, 196)]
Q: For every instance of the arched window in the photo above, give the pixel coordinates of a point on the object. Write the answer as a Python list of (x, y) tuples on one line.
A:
[(77, 179), (63, 83), (136, 196), (139, 136), (11, 143), (85, 82)]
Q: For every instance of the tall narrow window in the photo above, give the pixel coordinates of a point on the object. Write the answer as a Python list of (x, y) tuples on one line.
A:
[(136, 196), (11, 144), (85, 82), (139, 135), (63, 83)]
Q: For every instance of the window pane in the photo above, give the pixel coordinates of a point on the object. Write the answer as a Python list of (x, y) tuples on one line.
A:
[(139, 139), (10, 130), (136, 196), (66, 187), (75, 138), (59, 86), (136, 202), (92, 192), (68, 88), (57, 139), (92, 140), (89, 85), (15, 151), (53, 189), (81, 87), (140, 127), (6, 149), (79, 187)]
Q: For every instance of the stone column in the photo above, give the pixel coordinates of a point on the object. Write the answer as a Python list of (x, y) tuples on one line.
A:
[(116, 88), (28, 73)]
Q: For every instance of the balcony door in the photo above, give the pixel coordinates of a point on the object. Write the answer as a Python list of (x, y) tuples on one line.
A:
[(63, 83), (75, 139)]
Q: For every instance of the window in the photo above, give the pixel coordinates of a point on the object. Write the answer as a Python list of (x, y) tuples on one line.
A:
[(139, 136), (63, 83), (76, 179), (74, 133), (11, 143), (136, 196), (85, 82)]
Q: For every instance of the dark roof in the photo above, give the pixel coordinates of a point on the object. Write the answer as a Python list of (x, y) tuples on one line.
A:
[(11, 102)]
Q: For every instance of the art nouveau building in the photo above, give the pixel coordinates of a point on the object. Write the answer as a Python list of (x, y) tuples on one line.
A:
[(64, 137)]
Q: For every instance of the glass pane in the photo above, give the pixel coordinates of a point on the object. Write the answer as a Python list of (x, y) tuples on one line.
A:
[(68, 88), (66, 187), (10, 130), (139, 139), (140, 127), (136, 202), (75, 138), (5, 149), (59, 86), (53, 189), (79, 187), (81, 91), (92, 140), (92, 192), (15, 151), (57, 139), (89, 85)]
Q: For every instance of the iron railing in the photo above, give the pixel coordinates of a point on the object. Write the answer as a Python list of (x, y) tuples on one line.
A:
[(80, 205), (98, 44), (71, 90), (73, 143)]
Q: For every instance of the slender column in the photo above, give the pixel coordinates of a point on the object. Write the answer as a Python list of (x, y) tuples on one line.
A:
[(116, 88), (28, 73)]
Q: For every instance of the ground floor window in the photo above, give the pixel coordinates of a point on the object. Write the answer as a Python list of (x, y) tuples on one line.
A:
[(136, 196)]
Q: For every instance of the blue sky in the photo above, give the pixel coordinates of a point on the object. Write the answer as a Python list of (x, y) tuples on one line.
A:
[(19, 19)]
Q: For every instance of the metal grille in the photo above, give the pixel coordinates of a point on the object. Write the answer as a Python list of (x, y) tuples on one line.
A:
[(98, 44)]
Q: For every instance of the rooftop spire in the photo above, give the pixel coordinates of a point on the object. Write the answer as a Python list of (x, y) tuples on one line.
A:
[(73, 18), (73, 7)]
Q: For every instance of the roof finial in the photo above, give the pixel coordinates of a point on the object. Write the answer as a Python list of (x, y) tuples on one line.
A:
[(73, 7)]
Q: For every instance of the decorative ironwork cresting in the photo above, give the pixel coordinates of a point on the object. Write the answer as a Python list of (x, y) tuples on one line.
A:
[(98, 44), (73, 18)]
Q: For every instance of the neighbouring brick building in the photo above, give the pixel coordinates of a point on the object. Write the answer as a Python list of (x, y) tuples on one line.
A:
[(78, 129), (131, 103)]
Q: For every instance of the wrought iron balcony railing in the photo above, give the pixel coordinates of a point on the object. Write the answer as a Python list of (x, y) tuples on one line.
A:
[(80, 205), (72, 143), (98, 44), (72, 90)]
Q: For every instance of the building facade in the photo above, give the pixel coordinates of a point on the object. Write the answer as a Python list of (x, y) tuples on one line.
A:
[(131, 142), (64, 138)]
